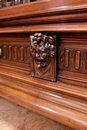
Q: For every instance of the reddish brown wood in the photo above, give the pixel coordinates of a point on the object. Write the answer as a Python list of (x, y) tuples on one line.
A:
[(43, 56), (76, 44), (77, 59), (67, 58), (10, 52), (66, 99)]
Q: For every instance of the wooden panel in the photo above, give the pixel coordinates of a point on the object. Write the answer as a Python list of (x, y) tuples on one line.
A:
[(72, 57), (14, 49), (16, 53)]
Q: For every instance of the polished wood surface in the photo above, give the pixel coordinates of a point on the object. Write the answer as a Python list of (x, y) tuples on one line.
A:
[(73, 65), (44, 7), (24, 119), (64, 100)]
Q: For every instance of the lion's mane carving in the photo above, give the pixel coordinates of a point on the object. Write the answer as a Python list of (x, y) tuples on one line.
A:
[(42, 49)]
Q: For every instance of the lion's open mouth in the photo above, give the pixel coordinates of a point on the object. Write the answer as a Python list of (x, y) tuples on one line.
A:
[(40, 60)]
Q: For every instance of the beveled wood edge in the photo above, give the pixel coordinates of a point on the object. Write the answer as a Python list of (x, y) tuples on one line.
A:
[(73, 80), (61, 18), (47, 14), (9, 13), (72, 90), (56, 97), (22, 9), (59, 101), (47, 108), (58, 27)]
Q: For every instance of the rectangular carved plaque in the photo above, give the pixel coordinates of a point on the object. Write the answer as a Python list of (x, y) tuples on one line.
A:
[(43, 56)]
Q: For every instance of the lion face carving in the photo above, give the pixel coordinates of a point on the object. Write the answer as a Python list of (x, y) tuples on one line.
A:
[(42, 49)]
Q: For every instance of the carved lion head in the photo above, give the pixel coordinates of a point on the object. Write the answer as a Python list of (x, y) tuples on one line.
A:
[(42, 49)]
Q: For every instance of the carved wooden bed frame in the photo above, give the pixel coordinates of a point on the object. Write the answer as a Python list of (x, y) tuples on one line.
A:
[(43, 59)]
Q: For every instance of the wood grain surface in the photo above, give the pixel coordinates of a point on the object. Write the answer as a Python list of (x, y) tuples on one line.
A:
[(15, 117), (65, 100)]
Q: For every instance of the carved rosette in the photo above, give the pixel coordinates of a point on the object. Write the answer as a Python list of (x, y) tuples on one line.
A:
[(42, 49)]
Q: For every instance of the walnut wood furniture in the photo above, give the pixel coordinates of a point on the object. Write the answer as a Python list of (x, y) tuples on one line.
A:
[(43, 59)]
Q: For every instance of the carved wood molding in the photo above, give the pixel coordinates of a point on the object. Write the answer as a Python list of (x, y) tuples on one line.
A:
[(55, 7), (57, 27), (73, 59), (16, 53)]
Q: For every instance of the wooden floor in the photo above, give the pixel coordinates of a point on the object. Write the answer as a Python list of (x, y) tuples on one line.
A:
[(15, 117)]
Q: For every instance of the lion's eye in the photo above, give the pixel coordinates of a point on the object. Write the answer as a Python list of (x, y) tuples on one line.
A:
[(52, 47)]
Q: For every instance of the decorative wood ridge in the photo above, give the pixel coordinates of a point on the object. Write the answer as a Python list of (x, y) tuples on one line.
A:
[(65, 56), (29, 15), (73, 59), (15, 53), (61, 27)]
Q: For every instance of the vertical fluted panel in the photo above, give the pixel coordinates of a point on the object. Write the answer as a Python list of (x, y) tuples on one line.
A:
[(22, 53), (25, 54), (66, 58), (19, 53), (15, 53), (28, 49), (9, 52), (4, 51), (77, 59)]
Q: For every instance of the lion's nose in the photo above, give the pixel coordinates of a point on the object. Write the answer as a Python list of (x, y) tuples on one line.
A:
[(37, 55), (42, 49)]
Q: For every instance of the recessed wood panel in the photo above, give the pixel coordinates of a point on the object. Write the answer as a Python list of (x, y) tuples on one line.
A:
[(77, 59), (10, 52), (66, 58), (15, 52), (73, 58)]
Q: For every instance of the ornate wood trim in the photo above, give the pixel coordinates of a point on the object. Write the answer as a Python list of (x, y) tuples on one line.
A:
[(65, 100), (43, 55), (15, 53), (73, 59)]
